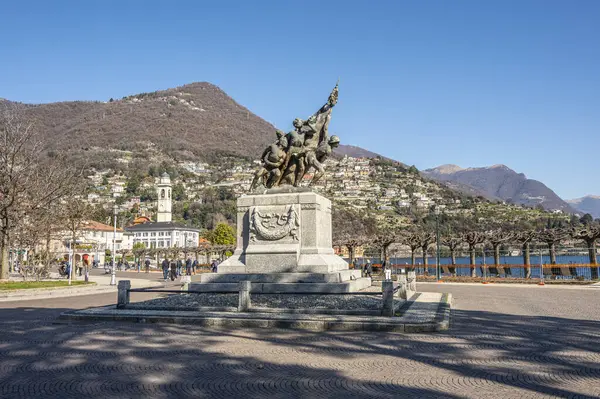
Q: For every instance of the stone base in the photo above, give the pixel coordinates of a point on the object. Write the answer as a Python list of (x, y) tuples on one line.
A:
[(342, 281), (284, 240)]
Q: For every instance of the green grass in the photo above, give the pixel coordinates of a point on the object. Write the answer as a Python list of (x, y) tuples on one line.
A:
[(20, 285)]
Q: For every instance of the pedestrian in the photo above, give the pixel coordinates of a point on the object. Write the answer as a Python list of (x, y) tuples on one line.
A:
[(213, 266), (387, 271), (179, 267), (188, 266), (194, 265), (147, 263), (139, 265), (174, 269), (368, 269), (165, 268)]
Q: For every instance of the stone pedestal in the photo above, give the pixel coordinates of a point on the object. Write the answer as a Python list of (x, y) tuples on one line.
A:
[(285, 238)]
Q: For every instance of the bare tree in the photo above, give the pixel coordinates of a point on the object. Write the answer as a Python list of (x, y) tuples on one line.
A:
[(351, 230), (552, 236), (473, 238), (426, 238), (525, 237), (453, 243), (73, 214), (412, 239), (496, 238), (589, 234), (29, 180)]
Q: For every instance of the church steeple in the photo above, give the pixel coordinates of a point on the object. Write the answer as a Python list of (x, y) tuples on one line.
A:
[(164, 199)]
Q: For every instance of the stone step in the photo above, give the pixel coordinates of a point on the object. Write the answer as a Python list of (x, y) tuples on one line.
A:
[(334, 277), (297, 288)]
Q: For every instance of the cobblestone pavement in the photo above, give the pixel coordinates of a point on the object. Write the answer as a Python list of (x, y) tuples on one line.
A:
[(505, 342)]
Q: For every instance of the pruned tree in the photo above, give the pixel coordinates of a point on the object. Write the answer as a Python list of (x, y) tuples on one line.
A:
[(552, 236), (496, 238), (351, 229), (426, 238), (473, 238), (589, 233), (412, 239), (527, 232), (385, 237), (453, 242), (29, 179)]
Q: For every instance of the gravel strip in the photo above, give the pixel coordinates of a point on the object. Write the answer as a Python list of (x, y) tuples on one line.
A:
[(289, 301)]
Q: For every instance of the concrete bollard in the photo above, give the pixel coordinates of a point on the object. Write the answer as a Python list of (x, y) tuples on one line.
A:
[(411, 281), (402, 286), (186, 281), (123, 293), (244, 296), (387, 291)]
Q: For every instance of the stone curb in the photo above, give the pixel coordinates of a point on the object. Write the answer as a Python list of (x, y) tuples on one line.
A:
[(440, 321)]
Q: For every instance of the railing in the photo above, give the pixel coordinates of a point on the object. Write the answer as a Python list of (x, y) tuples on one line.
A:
[(581, 272)]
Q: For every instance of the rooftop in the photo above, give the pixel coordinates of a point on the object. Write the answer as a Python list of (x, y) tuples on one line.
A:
[(160, 226)]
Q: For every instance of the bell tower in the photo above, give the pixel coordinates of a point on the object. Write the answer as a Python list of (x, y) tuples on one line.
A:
[(164, 199)]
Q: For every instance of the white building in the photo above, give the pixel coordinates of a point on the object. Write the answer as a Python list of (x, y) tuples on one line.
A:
[(164, 233)]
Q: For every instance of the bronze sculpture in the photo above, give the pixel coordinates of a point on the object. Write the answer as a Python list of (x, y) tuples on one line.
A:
[(290, 157)]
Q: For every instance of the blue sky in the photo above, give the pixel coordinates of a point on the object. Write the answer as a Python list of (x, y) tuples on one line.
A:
[(473, 83)]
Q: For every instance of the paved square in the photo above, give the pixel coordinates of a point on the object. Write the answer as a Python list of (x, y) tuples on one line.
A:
[(505, 342)]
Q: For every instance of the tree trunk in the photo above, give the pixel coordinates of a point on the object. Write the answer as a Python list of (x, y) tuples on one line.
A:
[(425, 260), (496, 254), (412, 256), (592, 253), (453, 256), (351, 254), (473, 260), (4, 256), (527, 260), (552, 250)]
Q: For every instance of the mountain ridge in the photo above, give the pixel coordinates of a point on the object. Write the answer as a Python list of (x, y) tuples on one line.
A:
[(501, 182), (587, 204)]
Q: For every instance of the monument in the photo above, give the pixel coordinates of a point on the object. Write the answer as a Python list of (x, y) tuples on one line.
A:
[(284, 237)]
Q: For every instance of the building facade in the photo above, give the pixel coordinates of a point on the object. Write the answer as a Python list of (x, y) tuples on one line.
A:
[(164, 233)]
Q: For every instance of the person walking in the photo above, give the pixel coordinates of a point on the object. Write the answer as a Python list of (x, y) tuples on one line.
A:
[(174, 264), (194, 266), (165, 268), (368, 269), (147, 263), (179, 267), (188, 266), (213, 266)]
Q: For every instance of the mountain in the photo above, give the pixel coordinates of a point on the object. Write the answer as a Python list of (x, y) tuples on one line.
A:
[(588, 204), (499, 181), (197, 120)]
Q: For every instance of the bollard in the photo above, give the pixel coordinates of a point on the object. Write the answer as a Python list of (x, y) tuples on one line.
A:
[(402, 286), (244, 296), (411, 280), (123, 293), (186, 281), (387, 292)]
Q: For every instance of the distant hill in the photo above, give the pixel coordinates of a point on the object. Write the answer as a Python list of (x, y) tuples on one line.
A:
[(198, 120), (588, 204), (499, 181)]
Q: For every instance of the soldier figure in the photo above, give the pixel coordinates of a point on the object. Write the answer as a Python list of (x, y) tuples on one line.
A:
[(273, 157), (307, 146)]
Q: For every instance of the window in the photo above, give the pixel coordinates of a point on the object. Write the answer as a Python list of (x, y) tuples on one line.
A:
[(162, 193), (161, 244), (145, 234), (168, 243)]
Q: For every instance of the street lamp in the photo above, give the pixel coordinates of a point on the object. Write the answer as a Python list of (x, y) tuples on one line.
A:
[(437, 239), (113, 277)]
